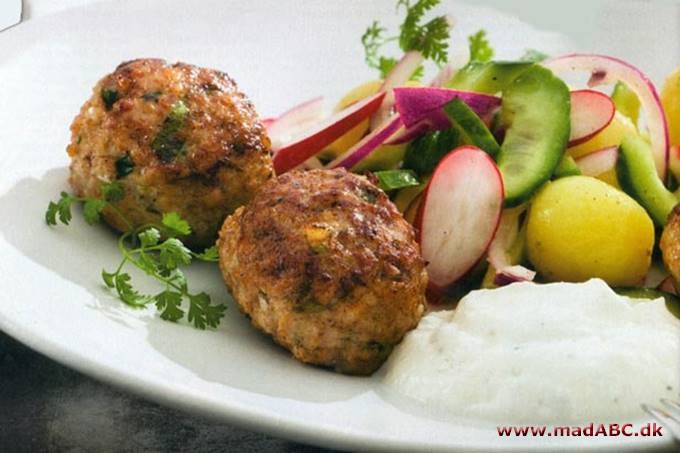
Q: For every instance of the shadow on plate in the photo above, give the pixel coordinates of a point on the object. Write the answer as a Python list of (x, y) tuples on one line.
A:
[(236, 355)]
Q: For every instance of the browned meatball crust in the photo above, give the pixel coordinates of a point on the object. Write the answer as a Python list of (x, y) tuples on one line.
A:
[(177, 138), (670, 245), (323, 261)]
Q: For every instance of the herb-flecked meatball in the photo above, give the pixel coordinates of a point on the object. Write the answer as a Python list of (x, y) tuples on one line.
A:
[(324, 263), (178, 138)]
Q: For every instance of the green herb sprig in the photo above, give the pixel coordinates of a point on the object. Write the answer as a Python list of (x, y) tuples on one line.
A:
[(431, 37), (480, 48), (154, 249)]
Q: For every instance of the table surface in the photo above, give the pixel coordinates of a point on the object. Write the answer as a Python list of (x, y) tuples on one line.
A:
[(47, 407)]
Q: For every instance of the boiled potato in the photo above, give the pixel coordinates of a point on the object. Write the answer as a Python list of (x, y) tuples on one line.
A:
[(670, 98), (611, 135), (580, 228)]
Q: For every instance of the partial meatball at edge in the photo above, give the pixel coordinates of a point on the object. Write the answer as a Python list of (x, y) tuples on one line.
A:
[(324, 263), (177, 138), (670, 245)]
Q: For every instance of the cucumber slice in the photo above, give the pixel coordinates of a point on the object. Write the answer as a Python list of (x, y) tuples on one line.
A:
[(536, 115), (471, 128), (672, 301), (566, 167), (638, 177), (491, 77), (626, 101)]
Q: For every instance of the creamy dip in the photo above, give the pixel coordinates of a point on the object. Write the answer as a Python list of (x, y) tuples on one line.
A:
[(560, 352)]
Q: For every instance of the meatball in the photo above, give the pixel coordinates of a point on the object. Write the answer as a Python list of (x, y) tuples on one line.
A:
[(670, 244), (324, 263), (177, 138)]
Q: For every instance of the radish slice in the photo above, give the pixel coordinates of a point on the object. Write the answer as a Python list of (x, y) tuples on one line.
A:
[(608, 70), (505, 238), (667, 285), (293, 154), (459, 214), (267, 122), (399, 75), (295, 121), (598, 162), (591, 111), (367, 145), (444, 75), (416, 104)]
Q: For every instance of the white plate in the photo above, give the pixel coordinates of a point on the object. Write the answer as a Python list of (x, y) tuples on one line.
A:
[(280, 53)]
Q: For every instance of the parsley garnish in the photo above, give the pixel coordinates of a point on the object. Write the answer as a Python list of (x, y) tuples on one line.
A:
[(109, 97), (154, 249), (430, 38), (167, 143), (480, 49), (534, 56), (124, 166)]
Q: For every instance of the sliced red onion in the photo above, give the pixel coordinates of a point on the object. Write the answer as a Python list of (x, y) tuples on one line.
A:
[(367, 145), (507, 234), (295, 121), (513, 274), (406, 135), (607, 70), (598, 162), (399, 75), (415, 104)]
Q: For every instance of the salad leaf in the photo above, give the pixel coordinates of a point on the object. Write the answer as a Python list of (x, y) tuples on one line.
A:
[(396, 179), (425, 152), (480, 49)]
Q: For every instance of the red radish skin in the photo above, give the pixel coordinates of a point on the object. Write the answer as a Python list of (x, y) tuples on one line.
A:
[(295, 153), (608, 70), (399, 75), (459, 215), (294, 121), (598, 162), (591, 111)]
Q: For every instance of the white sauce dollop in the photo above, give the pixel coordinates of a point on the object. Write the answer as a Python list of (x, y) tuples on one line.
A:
[(560, 352)]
